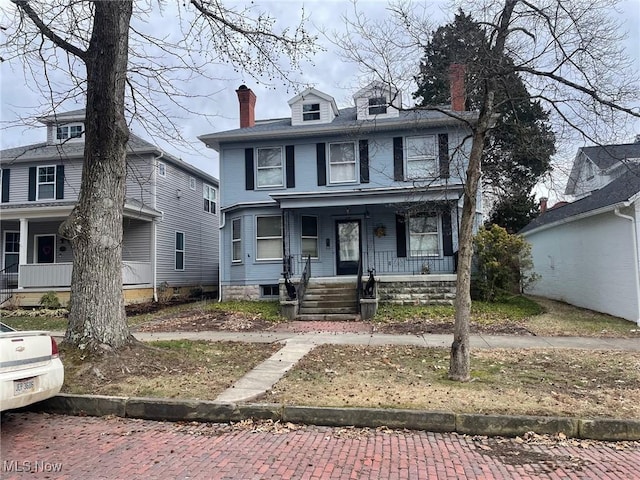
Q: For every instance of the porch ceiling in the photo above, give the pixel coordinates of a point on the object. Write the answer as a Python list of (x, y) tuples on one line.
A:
[(369, 196)]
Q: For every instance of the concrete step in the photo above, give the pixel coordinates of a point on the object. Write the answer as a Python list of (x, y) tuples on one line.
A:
[(327, 310), (326, 303), (331, 317)]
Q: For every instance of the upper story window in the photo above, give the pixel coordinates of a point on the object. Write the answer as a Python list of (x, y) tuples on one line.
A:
[(269, 238), (209, 194), (310, 111), (377, 105), (342, 162), (65, 132), (192, 183), (269, 168), (179, 252), (46, 183), (162, 169), (423, 235), (422, 161)]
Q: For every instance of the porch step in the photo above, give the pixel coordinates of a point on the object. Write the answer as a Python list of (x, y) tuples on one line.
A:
[(329, 300), (329, 317)]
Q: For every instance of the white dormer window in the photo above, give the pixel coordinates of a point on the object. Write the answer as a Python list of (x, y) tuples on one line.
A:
[(310, 111), (66, 132), (378, 105)]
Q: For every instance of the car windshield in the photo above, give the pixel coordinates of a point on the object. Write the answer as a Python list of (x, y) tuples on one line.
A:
[(6, 328)]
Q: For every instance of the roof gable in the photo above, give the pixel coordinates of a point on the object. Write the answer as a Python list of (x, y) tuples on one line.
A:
[(312, 106)]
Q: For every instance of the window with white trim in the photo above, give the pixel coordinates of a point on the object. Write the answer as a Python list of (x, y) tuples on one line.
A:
[(342, 162), (310, 111), (236, 240), (209, 194), (162, 169), (46, 182), (269, 167), (269, 291), (192, 183), (377, 105), (11, 251), (422, 161), (269, 238), (424, 235), (179, 263), (309, 236), (65, 132)]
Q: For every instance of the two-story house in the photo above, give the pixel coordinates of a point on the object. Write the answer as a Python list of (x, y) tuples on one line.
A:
[(587, 252), (170, 226), (330, 193)]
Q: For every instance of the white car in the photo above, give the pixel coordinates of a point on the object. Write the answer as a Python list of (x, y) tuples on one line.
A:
[(30, 368)]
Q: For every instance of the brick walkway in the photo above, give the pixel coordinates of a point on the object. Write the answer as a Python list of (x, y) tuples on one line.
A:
[(115, 448)]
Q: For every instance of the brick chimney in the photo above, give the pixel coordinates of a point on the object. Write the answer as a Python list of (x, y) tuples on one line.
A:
[(247, 101), (456, 84), (543, 204)]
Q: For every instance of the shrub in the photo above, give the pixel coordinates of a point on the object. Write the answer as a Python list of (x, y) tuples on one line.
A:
[(50, 300), (503, 264)]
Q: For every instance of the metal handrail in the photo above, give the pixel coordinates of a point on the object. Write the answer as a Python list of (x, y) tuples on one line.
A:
[(359, 284), (6, 287), (304, 278)]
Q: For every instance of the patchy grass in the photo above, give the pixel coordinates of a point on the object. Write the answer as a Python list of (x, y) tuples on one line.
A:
[(167, 369), (532, 382), (269, 311)]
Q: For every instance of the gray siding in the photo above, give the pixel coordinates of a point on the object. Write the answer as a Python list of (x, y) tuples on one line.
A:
[(136, 244), (185, 214), (140, 179), (19, 180)]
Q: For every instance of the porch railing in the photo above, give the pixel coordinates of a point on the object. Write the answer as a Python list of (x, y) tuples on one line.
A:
[(8, 282), (415, 263), (51, 275), (304, 278), (359, 292)]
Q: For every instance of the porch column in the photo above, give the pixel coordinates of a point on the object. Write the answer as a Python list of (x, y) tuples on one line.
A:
[(24, 241)]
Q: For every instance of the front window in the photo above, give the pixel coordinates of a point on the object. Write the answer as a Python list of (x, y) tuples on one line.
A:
[(209, 194), (309, 236), (377, 105), (342, 162), (236, 240), (310, 111), (179, 251), (11, 251), (423, 235), (270, 169), (269, 238), (421, 157), (46, 183), (65, 132)]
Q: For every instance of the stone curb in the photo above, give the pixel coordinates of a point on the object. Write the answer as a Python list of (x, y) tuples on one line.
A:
[(433, 421)]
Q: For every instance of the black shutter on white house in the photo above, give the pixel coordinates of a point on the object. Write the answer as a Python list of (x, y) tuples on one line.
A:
[(398, 160), (59, 182), (6, 177), (290, 166), (248, 169), (364, 161), (401, 236), (443, 154), (321, 163), (32, 183)]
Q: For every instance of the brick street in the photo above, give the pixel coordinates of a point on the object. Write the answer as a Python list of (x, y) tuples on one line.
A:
[(65, 447)]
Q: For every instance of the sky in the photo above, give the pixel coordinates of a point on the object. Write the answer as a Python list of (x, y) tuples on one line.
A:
[(328, 74)]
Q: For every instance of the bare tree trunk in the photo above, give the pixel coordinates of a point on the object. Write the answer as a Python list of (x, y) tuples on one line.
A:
[(97, 316)]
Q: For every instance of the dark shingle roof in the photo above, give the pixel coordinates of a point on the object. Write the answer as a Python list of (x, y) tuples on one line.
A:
[(619, 190), (606, 156)]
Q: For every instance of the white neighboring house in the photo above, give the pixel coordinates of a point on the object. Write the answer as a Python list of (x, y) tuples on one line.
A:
[(587, 251)]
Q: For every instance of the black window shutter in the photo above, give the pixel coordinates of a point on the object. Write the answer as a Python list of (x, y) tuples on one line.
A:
[(364, 161), (6, 176), (447, 235), (443, 154), (321, 163), (59, 182), (32, 183), (291, 166), (401, 236), (248, 169), (398, 160)]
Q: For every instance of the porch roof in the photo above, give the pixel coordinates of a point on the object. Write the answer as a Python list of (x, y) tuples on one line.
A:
[(368, 196), (61, 209)]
